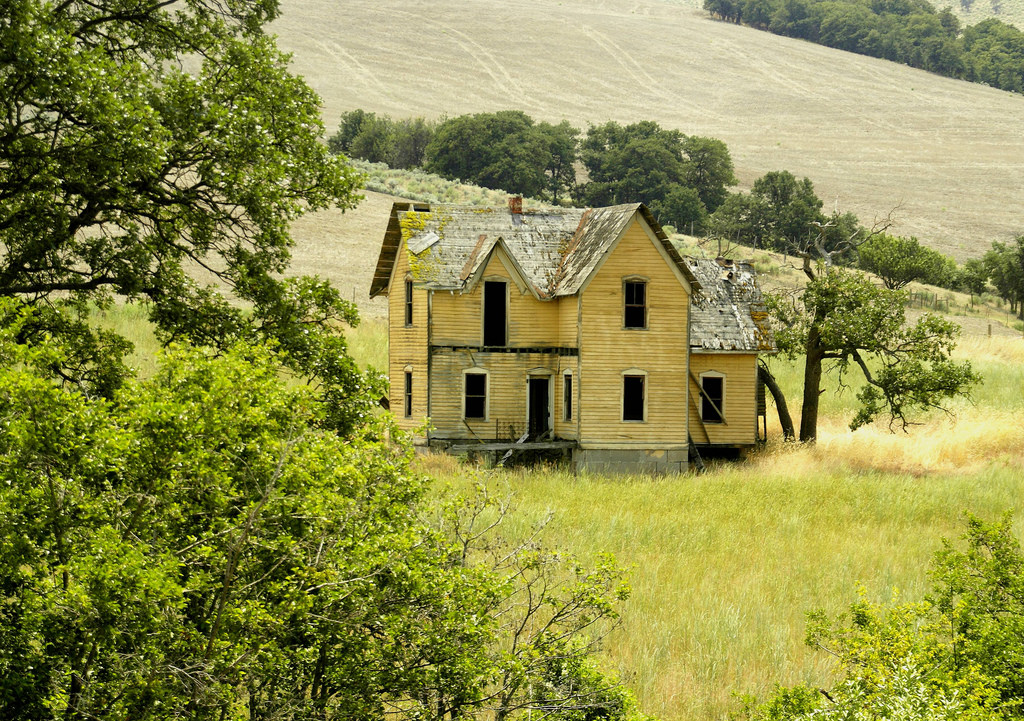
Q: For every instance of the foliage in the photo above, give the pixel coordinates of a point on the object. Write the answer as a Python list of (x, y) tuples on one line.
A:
[(784, 214), (911, 32), (680, 177), (1005, 266), (147, 143), (899, 261), (506, 150), (973, 276), (198, 546), (981, 590), (840, 318), (402, 144), (955, 657)]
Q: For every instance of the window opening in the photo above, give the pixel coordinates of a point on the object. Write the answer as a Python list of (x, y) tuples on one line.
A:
[(476, 395), (635, 313), (567, 397), (632, 398), (495, 312), (408, 394), (408, 302), (538, 390), (712, 398)]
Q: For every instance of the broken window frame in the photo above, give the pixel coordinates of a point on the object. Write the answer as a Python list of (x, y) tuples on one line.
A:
[(708, 414)]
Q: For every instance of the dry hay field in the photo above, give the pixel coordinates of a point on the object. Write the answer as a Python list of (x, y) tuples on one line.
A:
[(870, 134)]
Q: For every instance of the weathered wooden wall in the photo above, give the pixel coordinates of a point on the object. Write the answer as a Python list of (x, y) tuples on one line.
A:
[(408, 346), (607, 349), (740, 427)]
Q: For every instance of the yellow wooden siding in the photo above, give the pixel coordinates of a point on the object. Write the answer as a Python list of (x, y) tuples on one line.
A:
[(563, 428), (506, 392), (407, 346), (607, 349), (740, 371), (458, 317)]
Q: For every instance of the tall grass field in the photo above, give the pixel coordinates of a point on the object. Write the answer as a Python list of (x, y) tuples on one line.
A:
[(725, 565)]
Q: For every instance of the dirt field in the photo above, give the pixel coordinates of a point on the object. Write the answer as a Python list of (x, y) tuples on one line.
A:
[(871, 135)]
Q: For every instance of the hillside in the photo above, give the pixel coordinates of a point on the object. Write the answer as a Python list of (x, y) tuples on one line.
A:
[(870, 134)]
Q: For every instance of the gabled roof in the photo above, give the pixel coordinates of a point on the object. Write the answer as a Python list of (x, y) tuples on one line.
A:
[(728, 314), (554, 250)]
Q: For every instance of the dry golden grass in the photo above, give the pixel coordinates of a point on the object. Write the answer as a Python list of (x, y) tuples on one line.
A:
[(725, 565), (870, 134)]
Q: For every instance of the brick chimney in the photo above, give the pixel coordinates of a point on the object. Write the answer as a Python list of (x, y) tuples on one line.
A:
[(515, 204)]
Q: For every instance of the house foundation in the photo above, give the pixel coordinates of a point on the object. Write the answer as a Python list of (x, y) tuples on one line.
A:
[(634, 460)]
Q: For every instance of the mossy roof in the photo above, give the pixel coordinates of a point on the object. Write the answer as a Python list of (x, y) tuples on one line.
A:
[(728, 314), (555, 250)]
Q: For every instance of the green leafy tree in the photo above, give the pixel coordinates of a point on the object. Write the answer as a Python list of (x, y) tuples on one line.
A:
[(956, 655), (199, 546), (144, 142), (1005, 266), (841, 319), (899, 261), (780, 212), (643, 162), (399, 143), (981, 590), (973, 276), (505, 150), (707, 169)]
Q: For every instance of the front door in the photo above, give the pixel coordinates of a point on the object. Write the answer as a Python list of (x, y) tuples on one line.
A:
[(537, 408)]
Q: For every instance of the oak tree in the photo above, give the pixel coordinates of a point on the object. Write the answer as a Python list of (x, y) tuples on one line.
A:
[(157, 152)]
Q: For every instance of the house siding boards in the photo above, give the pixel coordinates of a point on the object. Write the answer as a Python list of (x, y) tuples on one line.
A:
[(568, 273), (740, 426), (506, 392), (407, 346), (608, 350)]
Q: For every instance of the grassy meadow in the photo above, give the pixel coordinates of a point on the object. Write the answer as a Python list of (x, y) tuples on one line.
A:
[(725, 565)]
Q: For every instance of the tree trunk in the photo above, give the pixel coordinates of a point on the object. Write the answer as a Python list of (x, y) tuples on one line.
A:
[(785, 420), (812, 387)]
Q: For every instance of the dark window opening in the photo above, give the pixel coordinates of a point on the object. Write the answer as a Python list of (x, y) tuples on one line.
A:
[(408, 394), (476, 395), (408, 302), (495, 312), (567, 397), (712, 398), (538, 410), (632, 398), (635, 313)]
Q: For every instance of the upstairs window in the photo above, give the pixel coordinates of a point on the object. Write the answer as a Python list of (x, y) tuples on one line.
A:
[(633, 387), (635, 309), (475, 403), (712, 399), (495, 312), (408, 301)]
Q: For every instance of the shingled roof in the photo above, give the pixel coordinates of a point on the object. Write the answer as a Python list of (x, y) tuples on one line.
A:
[(555, 250), (728, 314)]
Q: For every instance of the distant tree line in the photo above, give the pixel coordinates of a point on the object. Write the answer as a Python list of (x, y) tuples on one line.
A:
[(683, 179), (911, 32)]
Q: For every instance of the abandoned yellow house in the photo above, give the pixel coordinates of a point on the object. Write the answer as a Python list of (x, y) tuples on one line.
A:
[(567, 328)]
